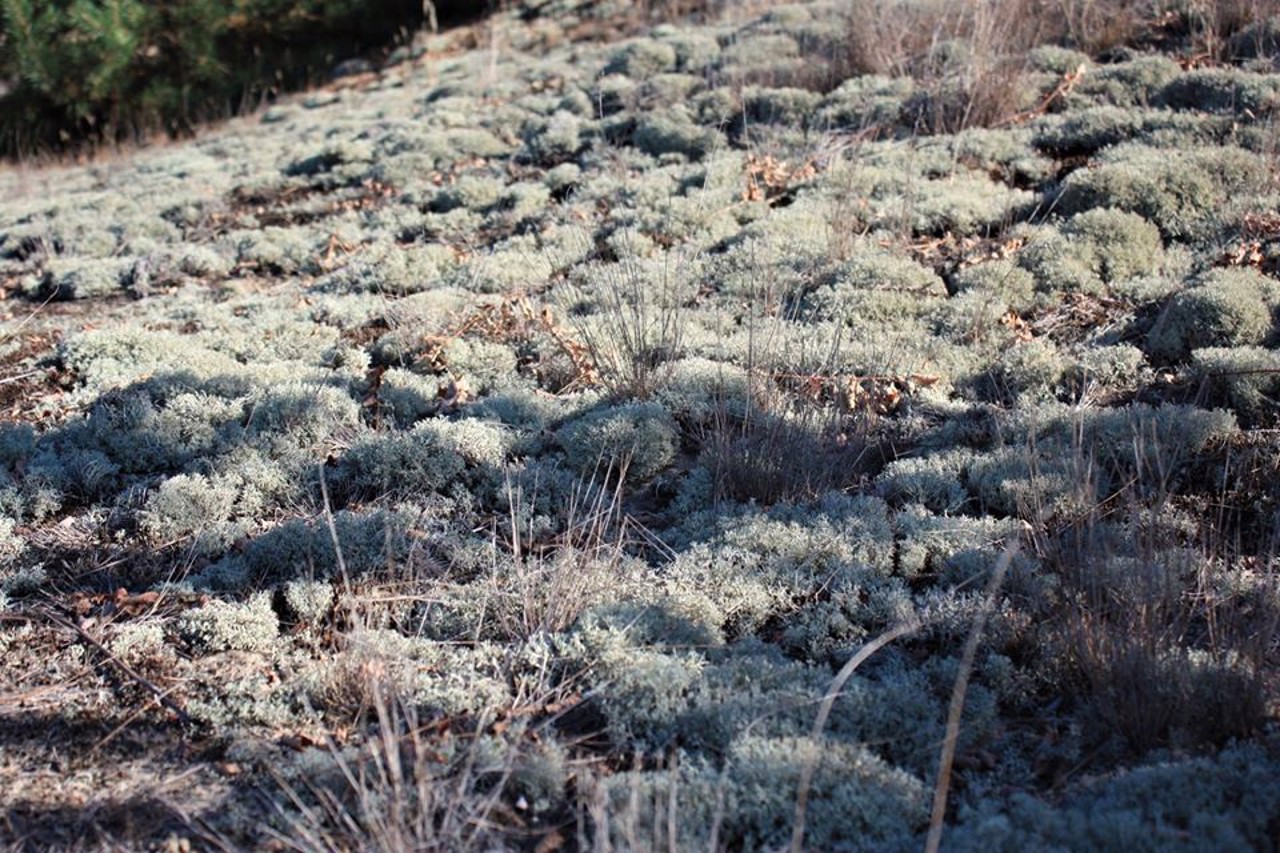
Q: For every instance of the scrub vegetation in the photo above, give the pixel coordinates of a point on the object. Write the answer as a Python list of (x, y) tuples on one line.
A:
[(506, 447)]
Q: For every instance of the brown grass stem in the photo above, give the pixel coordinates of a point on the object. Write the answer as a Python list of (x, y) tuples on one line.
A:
[(824, 711), (947, 758)]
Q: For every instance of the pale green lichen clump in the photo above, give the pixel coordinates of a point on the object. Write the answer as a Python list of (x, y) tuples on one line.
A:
[(515, 441)]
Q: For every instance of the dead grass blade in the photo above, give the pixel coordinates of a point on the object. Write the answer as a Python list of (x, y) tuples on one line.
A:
[(824, 711), (957, 699)]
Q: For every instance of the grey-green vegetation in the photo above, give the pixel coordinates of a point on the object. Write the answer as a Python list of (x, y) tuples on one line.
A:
[(505, 449)]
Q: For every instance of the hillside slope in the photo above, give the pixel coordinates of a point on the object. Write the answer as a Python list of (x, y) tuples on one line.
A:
[(506, 448)]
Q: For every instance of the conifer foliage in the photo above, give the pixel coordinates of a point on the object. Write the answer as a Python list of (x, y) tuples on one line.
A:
[(82, 71)]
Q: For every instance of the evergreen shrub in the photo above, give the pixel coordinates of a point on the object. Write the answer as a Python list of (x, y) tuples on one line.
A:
[(106, 69)]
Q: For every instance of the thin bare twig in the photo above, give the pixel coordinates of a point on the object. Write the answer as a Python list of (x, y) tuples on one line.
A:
[(19, 377), (124, 724), (31, 316), (162, 696), (333, 531), (1064, 88), (1264, 371)]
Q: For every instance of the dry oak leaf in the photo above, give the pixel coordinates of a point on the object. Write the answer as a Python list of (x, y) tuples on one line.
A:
[(1021, 328)]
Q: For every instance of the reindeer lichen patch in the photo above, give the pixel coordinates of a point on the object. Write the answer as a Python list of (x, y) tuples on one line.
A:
[(507, 444), (228, 626), (636, 439), (1227, 308), (1180, 190)]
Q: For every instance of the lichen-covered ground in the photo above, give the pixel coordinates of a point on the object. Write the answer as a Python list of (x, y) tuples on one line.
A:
[(505, 450)]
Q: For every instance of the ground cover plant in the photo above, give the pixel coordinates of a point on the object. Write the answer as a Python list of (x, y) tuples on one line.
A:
[(838, 425)]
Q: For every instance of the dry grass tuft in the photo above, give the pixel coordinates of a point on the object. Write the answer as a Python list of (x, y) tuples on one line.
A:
[(408, 788), (969, 59), (1166, 645), (786, 455), (542, 584), (971, 62)]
